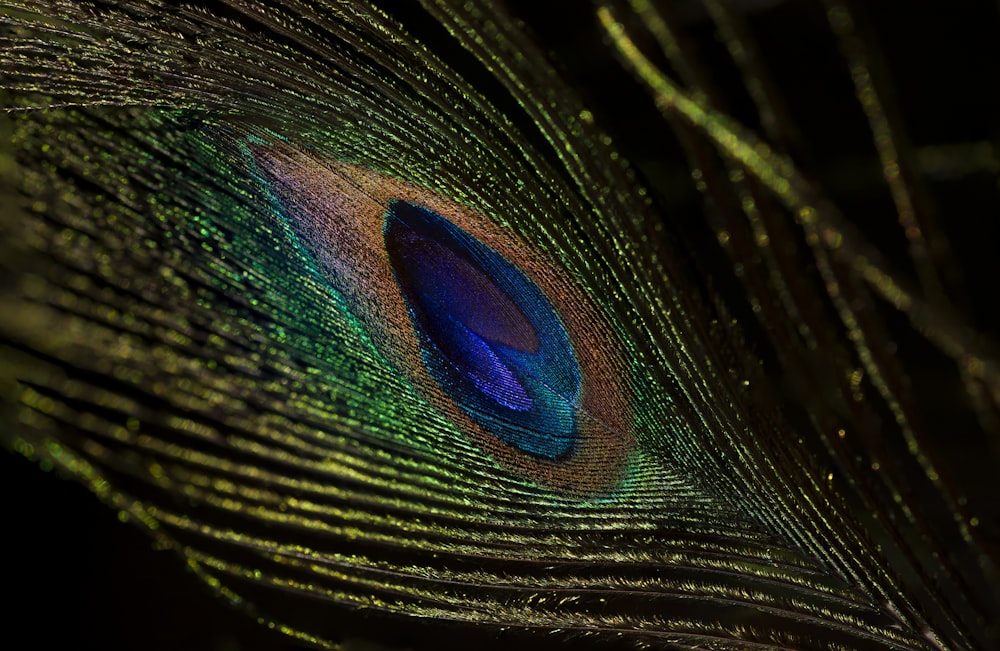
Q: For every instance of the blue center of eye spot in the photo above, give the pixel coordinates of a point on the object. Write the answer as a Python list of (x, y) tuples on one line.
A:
[(488, 335)]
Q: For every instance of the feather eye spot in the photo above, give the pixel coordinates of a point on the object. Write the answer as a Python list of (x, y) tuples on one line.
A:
[(491, 332)]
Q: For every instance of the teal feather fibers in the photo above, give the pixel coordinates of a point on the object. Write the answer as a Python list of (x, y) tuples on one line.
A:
[(360, 308)]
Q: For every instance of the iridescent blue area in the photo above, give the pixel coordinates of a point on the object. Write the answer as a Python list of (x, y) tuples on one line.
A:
[(488, 335)]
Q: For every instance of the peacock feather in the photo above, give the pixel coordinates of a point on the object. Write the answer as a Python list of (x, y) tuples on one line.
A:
[(604, 325)]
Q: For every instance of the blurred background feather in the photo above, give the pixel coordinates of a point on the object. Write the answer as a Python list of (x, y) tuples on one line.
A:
[(796, 264)]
